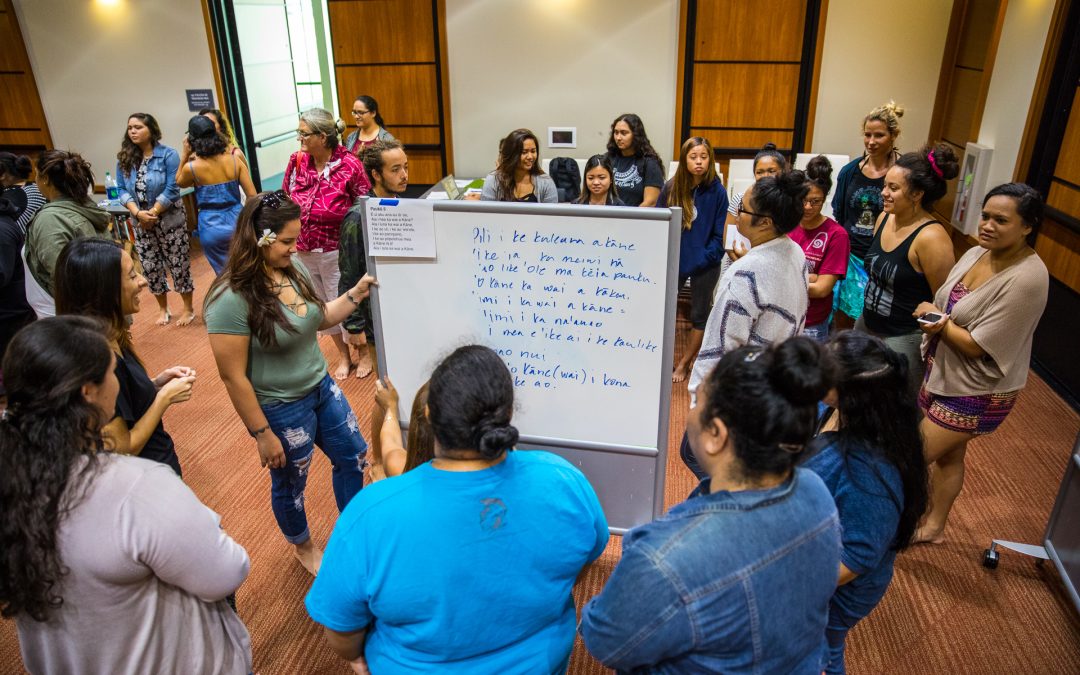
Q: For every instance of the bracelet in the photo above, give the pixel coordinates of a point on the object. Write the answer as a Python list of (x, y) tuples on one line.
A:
[(255, 434)]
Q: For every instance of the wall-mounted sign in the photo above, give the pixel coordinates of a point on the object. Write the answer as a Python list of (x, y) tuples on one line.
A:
[(199, 99)]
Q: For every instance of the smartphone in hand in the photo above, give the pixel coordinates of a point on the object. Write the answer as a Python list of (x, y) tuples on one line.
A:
[(930, 318)]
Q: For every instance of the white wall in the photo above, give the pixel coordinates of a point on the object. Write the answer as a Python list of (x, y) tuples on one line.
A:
[(871, 56), (95, 64), (550, 63), (1012, 83)]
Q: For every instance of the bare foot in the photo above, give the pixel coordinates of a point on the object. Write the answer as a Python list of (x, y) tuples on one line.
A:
[(164, 318), (342, 369), (928, 535), (680, 373), (186, 318), (309, 556), (363, 366)]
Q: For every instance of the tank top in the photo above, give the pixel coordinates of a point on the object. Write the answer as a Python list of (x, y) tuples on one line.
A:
[(894, 289)]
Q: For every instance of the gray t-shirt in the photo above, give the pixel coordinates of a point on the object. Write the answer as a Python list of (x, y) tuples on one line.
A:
[(149, 568), (543, 187)]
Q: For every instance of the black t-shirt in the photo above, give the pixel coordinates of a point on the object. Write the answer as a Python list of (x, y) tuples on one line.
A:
[(137, 393), (633, 175), (864, 204)]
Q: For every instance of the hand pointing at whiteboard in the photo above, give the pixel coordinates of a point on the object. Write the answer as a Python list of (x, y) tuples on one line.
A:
[(339, 309)]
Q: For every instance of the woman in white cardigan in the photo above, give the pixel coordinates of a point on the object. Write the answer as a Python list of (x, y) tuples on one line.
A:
[(977, 354)]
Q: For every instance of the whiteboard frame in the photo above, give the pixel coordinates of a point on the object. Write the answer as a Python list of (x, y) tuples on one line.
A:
[(659, 453)]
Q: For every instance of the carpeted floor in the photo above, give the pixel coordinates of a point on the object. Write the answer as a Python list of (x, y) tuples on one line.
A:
[(943, 613)]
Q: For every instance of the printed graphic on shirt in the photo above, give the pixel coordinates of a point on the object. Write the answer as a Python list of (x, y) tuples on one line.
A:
[(815, 252), (879, 289), (493, 515), (866, 201), (628, 178)]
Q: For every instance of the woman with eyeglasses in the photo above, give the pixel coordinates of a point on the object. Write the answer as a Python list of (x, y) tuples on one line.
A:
[(263, 314), (324, 179), (218, 177), (825, 245), (369, 126)]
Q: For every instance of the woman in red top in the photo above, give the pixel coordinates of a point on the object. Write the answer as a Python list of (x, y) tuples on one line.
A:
[(325, 179)]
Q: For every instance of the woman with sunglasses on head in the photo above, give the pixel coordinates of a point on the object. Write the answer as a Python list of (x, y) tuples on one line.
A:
[(978, 353), (146, 176), (639, 173), (325, 180), (263, 314), (369, 126), (96, 277), (110, 564), (518, 176), (218, 177)]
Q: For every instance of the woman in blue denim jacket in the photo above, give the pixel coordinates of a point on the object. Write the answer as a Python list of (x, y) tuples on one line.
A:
[(146, 176), (739, 576)]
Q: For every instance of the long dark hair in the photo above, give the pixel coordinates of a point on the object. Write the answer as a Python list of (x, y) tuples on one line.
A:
[(928, 169), (604, 163), (767, 397), (49, 428), (18, 167), (67, 172), (510, 149), (246, 274), (223, 122), (642, 146), (130, 155), (681, 190), (420, 444), (373, 107), (471, 402), (87, 283), (878, 414)]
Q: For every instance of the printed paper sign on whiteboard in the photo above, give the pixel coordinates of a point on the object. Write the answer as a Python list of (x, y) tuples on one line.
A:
[(401, 228)]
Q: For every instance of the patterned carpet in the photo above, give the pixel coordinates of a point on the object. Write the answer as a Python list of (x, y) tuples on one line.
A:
[(943, 613)]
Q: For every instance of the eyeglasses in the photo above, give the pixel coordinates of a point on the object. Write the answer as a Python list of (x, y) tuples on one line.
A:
[(813, 202), (360, 113), (747, 211), (303, 135)]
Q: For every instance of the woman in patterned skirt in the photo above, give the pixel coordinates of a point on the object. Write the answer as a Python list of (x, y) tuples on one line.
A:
[(977, 354)]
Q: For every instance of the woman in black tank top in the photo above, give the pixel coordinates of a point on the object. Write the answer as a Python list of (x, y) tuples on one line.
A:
[(911, 253)]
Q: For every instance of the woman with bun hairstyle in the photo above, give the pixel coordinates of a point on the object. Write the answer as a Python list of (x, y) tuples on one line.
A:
[(736, 579), (858, 202), (767, 162), (911, 253), (517, 176), (262, 315), (218, 177), (325, 179), (697, 190), (65, 179), (511, 531), (977, 355), (598, 183), (825, 245), (639, 173), (15, 171), (369, 126), (874, 469), (110, 564), (146, 176), (97, 277)]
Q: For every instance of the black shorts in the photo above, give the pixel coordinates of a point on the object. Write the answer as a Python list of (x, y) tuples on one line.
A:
[(702, 286)]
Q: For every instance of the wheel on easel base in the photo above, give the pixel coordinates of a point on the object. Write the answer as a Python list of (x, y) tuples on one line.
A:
[(990, 559)]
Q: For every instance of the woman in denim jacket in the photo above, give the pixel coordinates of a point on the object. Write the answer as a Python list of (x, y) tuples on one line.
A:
[(146, 176), (740, 575)]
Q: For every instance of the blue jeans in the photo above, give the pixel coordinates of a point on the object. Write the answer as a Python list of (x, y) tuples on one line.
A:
[(820, 332), (322, 418)]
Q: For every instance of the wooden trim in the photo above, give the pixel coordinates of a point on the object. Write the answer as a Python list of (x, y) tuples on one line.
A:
[(1042, 89), (444, 67), (46, 135), (948, 60), (215, 66), (680, 76), (819, 49), (988, 70)]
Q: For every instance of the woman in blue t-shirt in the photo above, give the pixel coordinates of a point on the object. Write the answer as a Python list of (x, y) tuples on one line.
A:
[(874, 468), (464, 564)]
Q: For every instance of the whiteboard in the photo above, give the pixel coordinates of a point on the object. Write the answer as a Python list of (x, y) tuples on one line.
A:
[(580, 303)]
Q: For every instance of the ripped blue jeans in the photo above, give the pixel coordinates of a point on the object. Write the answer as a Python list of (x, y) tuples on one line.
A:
[(321, 418)]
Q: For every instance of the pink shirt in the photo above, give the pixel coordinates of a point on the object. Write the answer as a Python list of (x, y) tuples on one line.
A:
[(827, 249), (324, 198)]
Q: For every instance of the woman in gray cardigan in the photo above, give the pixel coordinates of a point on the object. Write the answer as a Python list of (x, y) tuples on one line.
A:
[(518, 176)]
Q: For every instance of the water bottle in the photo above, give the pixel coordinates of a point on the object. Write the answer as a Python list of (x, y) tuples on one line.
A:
[(112, 191)]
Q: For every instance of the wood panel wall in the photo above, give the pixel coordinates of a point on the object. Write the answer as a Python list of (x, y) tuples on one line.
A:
[(740, 88), (23, 128), (395, 52), (1058, 244)]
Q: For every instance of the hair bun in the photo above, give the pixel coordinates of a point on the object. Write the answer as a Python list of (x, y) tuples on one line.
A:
[(497, 439), (340, 126), (768, 147), (801, 370), (894, 108), (819, 168), (946, 160)]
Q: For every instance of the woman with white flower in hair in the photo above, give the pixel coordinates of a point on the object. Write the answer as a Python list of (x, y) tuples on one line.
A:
[(263, 314)]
